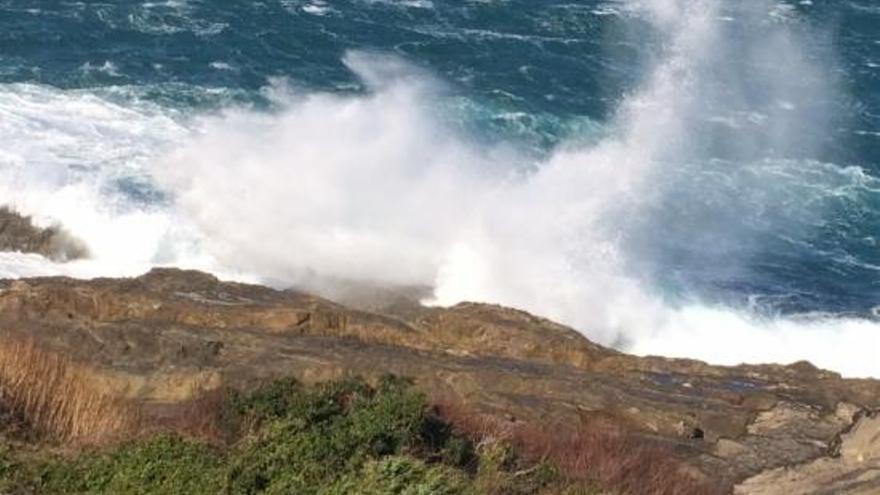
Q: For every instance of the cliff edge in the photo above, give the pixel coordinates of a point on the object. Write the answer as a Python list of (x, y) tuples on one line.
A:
[(162, 337)]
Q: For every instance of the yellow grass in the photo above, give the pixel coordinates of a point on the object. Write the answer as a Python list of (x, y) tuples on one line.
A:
[(54, 396)]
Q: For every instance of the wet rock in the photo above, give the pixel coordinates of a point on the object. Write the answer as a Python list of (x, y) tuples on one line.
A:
[(18, 233)]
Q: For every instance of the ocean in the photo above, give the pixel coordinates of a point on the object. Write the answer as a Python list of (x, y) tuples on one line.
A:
[(693, 178)]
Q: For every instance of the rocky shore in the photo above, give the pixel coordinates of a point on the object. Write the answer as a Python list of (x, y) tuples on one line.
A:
[(18, 233), (166, 336)]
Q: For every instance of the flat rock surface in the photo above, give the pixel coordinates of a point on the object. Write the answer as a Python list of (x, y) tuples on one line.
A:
[(853, 469), (170, 333)]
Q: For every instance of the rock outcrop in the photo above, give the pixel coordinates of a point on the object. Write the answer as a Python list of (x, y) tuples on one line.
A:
[(18, 233), (852, 468), (164, 336)]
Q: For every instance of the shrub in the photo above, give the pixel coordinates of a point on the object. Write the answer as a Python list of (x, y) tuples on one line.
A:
[(403, 476), (166, 464), (593, 454), (308, 437), (347, 437), (287, 439)]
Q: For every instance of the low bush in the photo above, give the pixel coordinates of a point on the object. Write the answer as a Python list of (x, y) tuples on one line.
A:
[(165, 464), (399, 475), (345, 437), (335, 438), (307, 438), (597, 454)]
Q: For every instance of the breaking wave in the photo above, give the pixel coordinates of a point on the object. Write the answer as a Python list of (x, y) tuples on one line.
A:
[(643, 234)]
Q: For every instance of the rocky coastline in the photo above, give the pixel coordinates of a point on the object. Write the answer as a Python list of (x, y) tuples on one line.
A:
[(163, 338), (19, 234)]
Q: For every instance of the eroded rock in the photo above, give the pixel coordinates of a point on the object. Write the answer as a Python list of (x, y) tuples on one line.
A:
[(851, 468), (18, 233), (170, 332)]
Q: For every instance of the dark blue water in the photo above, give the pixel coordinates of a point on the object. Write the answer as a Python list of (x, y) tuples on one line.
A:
[(781, 217)]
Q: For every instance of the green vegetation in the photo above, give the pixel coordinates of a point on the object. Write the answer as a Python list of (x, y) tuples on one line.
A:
[(338, 438)]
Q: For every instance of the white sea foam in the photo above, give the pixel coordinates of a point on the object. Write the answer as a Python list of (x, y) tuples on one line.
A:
[(366, 187), (108, 68), (846, 345), (64, 158), (377, 187)]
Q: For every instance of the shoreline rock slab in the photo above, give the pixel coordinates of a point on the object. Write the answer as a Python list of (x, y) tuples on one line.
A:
[(166, 335), (853, 467)]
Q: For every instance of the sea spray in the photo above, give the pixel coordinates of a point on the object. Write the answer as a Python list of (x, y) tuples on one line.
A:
[(700, 221)]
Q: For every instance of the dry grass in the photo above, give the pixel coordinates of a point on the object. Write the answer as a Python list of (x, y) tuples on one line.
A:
[(54, 397), (201, 417), (596, 453), (48, 394)]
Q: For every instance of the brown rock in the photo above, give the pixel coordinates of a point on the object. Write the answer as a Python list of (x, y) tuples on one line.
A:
[(17, 233), (854, 468), (169, 333)]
